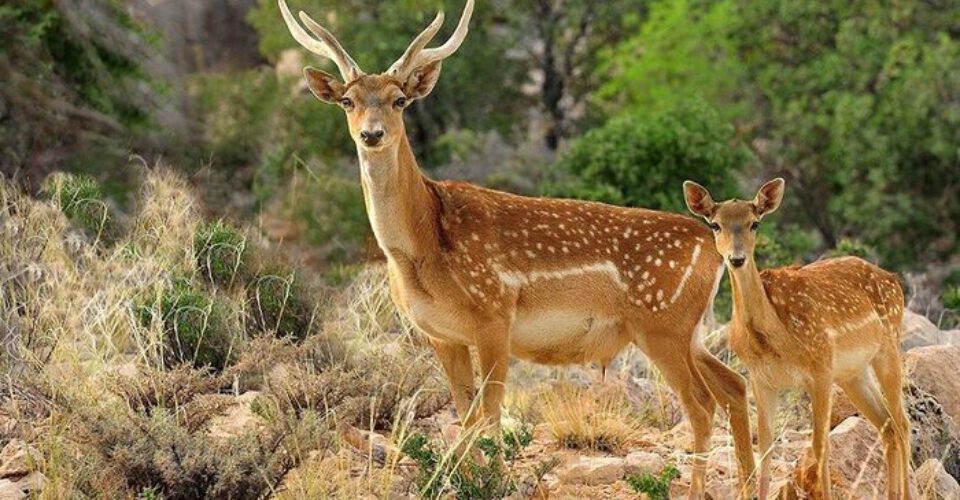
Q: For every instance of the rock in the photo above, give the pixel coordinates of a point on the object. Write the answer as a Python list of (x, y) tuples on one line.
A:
[(33, 482), (934, 369), (842, 407), (643, 462), (857, 467), (655, 402), (918, 331), (10, 490), (17, 459), (934, 483), (237, 419), (592, 470), (933, 434)]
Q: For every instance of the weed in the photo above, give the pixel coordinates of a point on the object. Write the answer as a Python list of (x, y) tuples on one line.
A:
[(656, 487), (221, 252), (587, 419), (80, 199), (279, 303)]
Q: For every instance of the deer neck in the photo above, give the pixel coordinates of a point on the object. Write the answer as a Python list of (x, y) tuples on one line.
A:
[(751, 305), (400, 205)]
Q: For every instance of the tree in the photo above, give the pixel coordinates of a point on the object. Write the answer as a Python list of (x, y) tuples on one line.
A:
[(642, 160)]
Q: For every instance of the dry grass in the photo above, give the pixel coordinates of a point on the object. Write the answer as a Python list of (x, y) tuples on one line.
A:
[(597, 418)]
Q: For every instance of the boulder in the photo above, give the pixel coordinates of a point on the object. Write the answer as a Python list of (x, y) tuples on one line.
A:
[(10, 490), (17, 459), (933, 433), (857, 467), (643, 462), (918, 331), (655, 402), (934, 483), (592, 470), (934, 369), (842, 407)]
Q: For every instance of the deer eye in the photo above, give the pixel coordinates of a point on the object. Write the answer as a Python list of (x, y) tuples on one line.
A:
[(400, 102), (714, 227), (755, 225), (346, 103)]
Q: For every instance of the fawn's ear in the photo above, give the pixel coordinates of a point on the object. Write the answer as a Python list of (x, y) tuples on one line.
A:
[(769, 197), (421, 81), (698, 200), (324, 86)]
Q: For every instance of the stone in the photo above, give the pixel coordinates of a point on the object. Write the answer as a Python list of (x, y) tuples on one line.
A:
[(17, 459), (10, 490), (592, 470), (655, 402), (933, 433), (643, 462), (918, 331), (842, 407), (934, 369), (857, 467), (934, 483)]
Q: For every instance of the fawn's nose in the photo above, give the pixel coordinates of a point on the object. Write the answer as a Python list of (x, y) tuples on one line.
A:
[(372, 137), (737, 261)]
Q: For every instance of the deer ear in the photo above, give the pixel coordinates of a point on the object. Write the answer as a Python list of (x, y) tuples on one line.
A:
[(323, 85), (421, 81), (698, 199), (769, 197)]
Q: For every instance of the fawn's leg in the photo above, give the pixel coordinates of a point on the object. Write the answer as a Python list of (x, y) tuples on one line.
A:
[(494, 354), (865, 395), (888, 368), (455, 359), (820, 397), (766, 399)]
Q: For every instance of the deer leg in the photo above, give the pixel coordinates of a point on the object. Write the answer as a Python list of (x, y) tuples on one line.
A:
[(455, 359), (865, 395), (494, 354), (887, 366), (820, 397), (766, 398), (730, 389), (675, 362)]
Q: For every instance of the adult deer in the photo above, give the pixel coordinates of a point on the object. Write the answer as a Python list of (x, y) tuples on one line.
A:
[(833, 321), (552, 281)]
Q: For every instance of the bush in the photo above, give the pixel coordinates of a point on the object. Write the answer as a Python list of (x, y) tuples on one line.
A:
[(80, 199), (854, 248), (195, 326), (442, 474), (642, 160), (279, 303), (656, 488), (221, 252)]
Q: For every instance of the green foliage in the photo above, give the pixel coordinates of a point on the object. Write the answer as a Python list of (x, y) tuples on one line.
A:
[(682, 50), (474, 477), (195, 325), (951, 298), (860, 100), (279, 303), (221, 252), (80, 199), (855, 248), (655, 487), (642, 160)]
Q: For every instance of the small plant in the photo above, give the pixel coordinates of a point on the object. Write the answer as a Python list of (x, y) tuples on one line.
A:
[(221, 252), (587, 419), (656, 487), (486, 476), (280, 303), (80, 199), (854, 248), (194, 324)]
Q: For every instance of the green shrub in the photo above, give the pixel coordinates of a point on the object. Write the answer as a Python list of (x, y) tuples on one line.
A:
[(80, 199), (642, 160), (854, 248), (221, 252), (490, 477), (195, 326), (279, 303), (656, 487)]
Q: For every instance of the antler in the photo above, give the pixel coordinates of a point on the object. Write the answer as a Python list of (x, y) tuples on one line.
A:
[(416, 56), (327, 46)]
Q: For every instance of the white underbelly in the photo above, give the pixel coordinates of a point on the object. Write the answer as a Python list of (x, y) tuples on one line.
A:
[(558, 337)]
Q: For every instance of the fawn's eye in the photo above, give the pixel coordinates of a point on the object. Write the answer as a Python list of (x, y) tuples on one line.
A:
[(755, 225), (400, 102), (346, 103), (714, 227)]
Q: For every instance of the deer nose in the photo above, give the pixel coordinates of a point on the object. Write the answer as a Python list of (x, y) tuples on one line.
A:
[(737, 261), (372, 137)]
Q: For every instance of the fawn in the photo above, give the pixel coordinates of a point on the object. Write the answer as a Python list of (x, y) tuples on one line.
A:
[(833, 321)]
